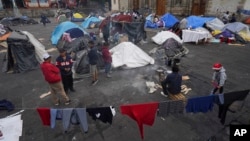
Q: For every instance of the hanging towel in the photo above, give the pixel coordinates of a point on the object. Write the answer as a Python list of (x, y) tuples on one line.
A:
[(170, 107), (200, 104), (44, 114), (141, 113), (102, 113), (55, 114), (219, 99), (229, 98)]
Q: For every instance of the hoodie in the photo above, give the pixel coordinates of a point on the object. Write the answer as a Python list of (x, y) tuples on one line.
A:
[(220, 77), (106, 55)]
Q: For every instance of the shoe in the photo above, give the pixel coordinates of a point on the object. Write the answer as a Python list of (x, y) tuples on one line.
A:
[(57, 104), (109, 76), (67, 102), (95, 82), (162, 93)]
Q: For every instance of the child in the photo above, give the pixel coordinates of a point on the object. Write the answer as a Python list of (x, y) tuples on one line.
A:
[(107, 58), (219, 78), (93, 58)]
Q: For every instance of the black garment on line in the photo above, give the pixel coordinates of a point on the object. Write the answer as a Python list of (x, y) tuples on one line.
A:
[(104, 113), (170, 107), (229, 98)]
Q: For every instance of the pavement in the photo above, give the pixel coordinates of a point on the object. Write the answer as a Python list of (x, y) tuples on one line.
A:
[(128, 87)]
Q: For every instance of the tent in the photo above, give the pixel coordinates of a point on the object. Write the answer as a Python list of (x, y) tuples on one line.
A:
[(150, 24), (169, 20), (162, 36), (215, 24), (21, 54), (77, 17), (75, 32), (14, 21), (62, 18), (61, 28), (236, 27), (90, 20), (247, 20), (129, 55), (197, 21)]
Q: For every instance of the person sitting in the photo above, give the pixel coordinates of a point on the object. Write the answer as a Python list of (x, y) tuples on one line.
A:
[(172, 83), (233, 18)]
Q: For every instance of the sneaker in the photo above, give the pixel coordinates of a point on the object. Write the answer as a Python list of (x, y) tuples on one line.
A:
[(57, 104), (109, 76), (67, 102), (162, 93), (95, 82)]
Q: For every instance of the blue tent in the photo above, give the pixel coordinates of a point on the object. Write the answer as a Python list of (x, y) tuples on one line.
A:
[(169, 20), (90, 20), (61, 28), (75, 32), (197, 21)]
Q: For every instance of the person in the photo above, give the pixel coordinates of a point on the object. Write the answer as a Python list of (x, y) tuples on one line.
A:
[(43, 19), (107, 58), (64, 63), (52, 75), (233, 18), (219, 78), (93, 58), (172, 83), (225, 17)]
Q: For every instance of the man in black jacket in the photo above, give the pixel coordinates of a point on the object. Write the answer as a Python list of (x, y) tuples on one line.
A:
[(93, 58)]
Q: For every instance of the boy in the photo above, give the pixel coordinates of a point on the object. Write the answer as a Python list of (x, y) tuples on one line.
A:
[(93, 58), (107, 58), (219, 77)]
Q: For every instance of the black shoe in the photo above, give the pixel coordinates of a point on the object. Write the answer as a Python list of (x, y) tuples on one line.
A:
[(72, 90)]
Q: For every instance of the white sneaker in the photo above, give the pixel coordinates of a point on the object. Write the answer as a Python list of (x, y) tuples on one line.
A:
[(162, 93)]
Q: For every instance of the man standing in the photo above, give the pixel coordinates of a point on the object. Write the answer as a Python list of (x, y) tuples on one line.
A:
[(219, 78), (93, 58), (52, 76), (106, 55), (172, 83), (64, 63)]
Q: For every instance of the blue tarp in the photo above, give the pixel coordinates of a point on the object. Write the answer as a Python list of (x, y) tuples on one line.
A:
[(169, 20), (60, 29), (197, 21), (90, 20)]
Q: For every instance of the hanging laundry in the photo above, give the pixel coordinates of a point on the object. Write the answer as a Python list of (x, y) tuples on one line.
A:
[(55, 114), (141, 113), (200, 104), (44, 114), (105, 114), (229, 98), (79, 116), (219, 99), (171, 107)]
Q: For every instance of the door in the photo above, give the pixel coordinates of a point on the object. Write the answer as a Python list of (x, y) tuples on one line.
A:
[(160, 7), (136, 4), (198, 7)]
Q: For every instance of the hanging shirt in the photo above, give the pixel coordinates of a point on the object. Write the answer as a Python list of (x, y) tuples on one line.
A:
[(44, 114), (200, 104), (229, 98), (104, 114), (170, 107), (141, 113)]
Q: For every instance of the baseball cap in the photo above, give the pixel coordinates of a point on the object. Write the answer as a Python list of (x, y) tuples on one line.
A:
[(46, 56)]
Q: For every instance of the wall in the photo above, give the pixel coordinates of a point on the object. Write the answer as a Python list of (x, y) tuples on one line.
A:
[(114, 4), (247, 5), (123, 5)]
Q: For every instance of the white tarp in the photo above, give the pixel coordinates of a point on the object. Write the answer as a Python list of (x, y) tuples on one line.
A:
[(11, 128), (39, 47), (130, 55), (162, 36), (215, 24)]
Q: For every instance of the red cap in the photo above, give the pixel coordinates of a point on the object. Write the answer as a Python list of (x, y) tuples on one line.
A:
[(217, 66)]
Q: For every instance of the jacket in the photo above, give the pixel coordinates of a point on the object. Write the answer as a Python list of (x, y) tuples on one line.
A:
[(106, 55), (62, 64), (51, 72), (93, 56), (173, 82), (220, 77)]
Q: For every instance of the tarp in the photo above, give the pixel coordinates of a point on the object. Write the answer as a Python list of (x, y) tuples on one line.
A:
[(197, 21), (236, 27), (123, 18), (13, 21), (215, 24), (129, 55), (162, 36), (61, 28), (88, 21), (169, 20), (75, 32), (247, 20), (21, 54)]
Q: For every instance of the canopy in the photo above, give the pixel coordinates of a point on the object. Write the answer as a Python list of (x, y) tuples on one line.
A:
[(162, 36), (169, 20), (61, 28), (129, 55), (197, 21)]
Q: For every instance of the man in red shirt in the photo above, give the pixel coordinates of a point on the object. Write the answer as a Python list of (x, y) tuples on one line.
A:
[(107, 58), (53, 77)]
